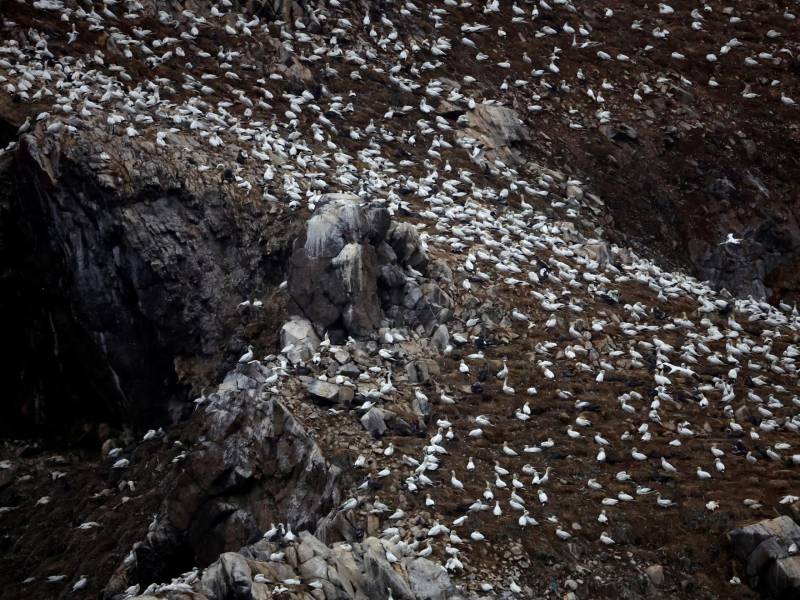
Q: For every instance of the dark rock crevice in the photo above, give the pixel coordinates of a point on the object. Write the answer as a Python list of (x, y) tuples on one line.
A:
[(255, 466), (53, 356), (122, 275)]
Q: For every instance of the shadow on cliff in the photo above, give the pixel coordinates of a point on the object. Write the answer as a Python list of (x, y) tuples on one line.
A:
[(119, 300)]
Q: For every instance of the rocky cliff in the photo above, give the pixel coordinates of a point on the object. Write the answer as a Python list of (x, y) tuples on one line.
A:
[(398, 300), (140, 265)]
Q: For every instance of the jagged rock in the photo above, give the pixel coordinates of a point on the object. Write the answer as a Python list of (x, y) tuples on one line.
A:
[(441, 338), (764, 548), (745, 539), (346, 395), (357, 571), (655, 573), (380, 574), (337, 526), (324, 392), (147, 261), (350, 370), (314, 568), (349, 572), (428, 580), (299, 333), (397, 424), (311, 546), (256, 461), (499, 129), (373, 422), (357, 270), (229, 578), (405, 241), (422, 407), (417, 371), (298, 75), (348, 268), (598, 252)]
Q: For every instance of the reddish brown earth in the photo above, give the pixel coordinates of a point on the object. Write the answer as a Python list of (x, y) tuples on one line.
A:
[(655, 167)]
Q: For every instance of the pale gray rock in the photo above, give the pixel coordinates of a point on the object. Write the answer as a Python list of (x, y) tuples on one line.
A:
[(373, 422), (499, 130), (311, 546), (763, 546), (655, 573), (323, 392), (421, 407), (357, 571), (256, 461), (314, 568), (417, 371), (346, 395), (428, 580), (745, 539), (300, 335), (347, 273), (380, 575), (441, 338), (229, 578), (405, 241), (598, 252), (357, 269), (157, 261)]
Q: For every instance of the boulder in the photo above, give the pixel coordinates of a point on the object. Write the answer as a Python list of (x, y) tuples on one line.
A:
[(405, 241), (381, 576), (598, 252), (764, 547), (347, 272), (441, 338), (346, 395), (323, 392), (255, 465), (357, 269), (353, 571), (499, 130), (373, 422), (783, 579), (229, 578), (655, 573), (422, 407), (744, 540), (300, 335), (428, 580), (417, 371)]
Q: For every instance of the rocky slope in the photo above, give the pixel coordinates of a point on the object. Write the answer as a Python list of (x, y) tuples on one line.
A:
[(455, 242)]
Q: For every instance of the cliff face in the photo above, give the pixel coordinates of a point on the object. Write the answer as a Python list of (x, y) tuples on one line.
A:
[(680, 177), (114, 237), (137, 270), (473, 225)]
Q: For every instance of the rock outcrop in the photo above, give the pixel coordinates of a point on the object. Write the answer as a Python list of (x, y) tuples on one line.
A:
[(168, 159), (499, 131), (343, 571), (354, 267), (299, 340), (255, 465), (770, 552), (142, 275)]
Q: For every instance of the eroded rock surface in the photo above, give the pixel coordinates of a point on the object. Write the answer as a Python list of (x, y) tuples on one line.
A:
[(254, 465), (770, 552), (355, 266), (143, 274), (344, 571)]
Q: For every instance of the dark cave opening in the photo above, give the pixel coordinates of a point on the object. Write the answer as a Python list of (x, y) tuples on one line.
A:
[(62, 387)]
